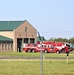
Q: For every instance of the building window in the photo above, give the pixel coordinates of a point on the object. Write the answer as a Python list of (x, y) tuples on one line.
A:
[(26, 29)]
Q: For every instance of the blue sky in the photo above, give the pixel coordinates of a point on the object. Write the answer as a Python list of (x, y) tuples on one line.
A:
[(52, 18)]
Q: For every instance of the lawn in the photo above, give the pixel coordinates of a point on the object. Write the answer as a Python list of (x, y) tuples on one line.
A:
[(47, 55), (32, 67), (18, 54)]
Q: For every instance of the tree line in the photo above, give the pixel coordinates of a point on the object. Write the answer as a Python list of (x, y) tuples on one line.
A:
[(71, 40)]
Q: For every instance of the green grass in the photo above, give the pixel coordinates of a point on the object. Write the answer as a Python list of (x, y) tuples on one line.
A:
[(18, 54), (32, 67), (49, 55)]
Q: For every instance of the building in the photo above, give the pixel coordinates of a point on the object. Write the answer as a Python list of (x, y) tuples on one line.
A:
[(14, 33), (42, 38)]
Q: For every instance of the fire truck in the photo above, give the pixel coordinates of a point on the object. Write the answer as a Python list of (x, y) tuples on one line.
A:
[(47, 47), (55, 46)]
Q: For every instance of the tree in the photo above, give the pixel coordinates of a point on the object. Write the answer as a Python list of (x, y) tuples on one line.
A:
[(59, 39), (51, 39), (71, 40)]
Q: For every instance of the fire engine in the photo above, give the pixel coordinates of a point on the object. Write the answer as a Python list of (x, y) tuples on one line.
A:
[(57, 47), (47, 47)]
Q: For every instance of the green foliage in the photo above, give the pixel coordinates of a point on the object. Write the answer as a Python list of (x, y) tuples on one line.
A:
[(59, 39), (71, 40), (51, 39)]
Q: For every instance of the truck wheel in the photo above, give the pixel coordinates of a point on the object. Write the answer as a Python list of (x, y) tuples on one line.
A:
[(33, 50), (45, 51), (58, 52), (28, 50)]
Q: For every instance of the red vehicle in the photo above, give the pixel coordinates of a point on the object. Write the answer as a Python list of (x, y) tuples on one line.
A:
[(47, 48), (56, 46), (66, 49)]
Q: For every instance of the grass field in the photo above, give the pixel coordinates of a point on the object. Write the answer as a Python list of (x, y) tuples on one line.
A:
[(32, 67), (21, 54)]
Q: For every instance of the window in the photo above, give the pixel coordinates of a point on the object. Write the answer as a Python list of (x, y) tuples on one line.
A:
[(26, 29), (44, 45)]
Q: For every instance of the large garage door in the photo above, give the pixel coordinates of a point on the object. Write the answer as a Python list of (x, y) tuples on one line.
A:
[(19, 44), (25, 40), (32, 40)]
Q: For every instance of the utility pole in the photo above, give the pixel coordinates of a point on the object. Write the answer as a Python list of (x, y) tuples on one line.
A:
[(41, 59), (41, 56)]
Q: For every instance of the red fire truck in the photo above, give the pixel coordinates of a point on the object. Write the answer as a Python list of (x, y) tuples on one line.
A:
[(47, 47)]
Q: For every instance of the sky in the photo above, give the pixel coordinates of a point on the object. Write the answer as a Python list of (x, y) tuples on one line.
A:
[(51, 18)]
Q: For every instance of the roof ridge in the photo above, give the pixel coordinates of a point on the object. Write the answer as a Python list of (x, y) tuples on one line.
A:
[(12, 20), (9, 25)]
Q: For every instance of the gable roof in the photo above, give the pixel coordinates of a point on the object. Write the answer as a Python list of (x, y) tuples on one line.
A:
[(3, 38), (9, 25)]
